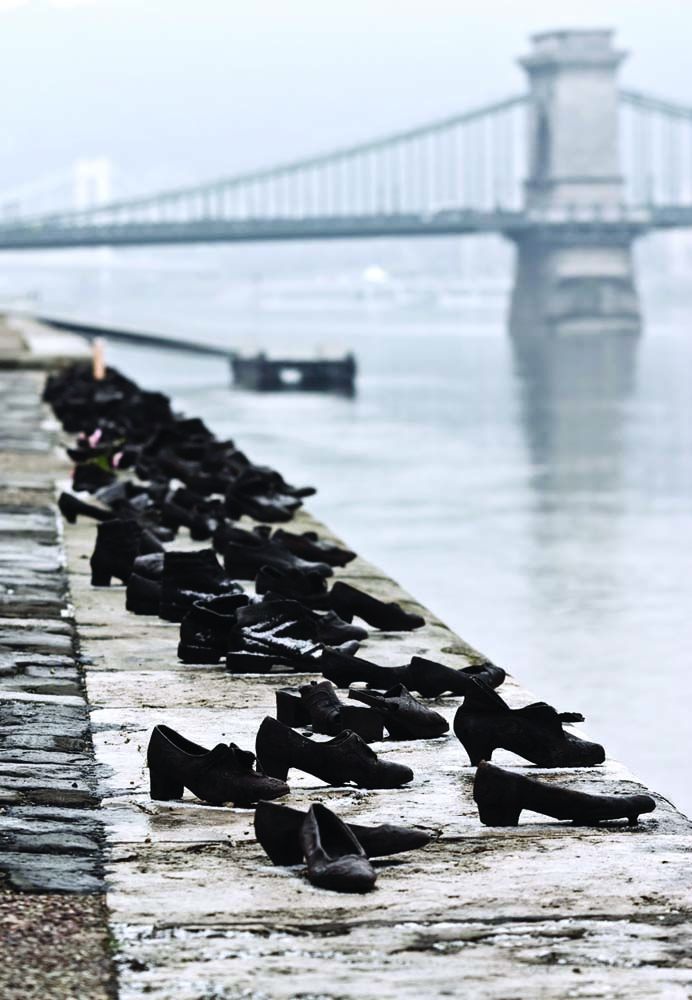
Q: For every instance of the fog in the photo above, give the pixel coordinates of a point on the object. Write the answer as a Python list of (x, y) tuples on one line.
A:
[(179, 92)]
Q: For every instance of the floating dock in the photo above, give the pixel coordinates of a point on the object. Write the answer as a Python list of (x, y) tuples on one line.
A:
[(267, 373)]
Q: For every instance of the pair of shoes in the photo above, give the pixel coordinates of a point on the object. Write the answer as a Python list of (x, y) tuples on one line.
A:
[(336, 853), (245, 553), (310, 547), (501, 795), (223, 774), (275, 632), (277, 829), (404, 717), (317, 705), (345, 758), (485, 722), (428, 678), (310, 589)]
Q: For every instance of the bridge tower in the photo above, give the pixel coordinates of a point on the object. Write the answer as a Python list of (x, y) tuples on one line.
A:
[(574, 272)]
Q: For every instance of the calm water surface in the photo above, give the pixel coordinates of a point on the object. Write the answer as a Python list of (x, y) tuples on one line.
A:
[(540, 503)]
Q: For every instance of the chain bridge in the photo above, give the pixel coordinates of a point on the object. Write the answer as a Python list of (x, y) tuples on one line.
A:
[(572, 171)]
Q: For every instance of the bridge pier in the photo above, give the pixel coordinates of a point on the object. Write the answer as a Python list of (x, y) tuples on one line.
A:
[(574, 271), (566, 288)]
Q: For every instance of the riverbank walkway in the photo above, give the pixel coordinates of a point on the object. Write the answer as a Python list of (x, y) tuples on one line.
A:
[(178, 900)]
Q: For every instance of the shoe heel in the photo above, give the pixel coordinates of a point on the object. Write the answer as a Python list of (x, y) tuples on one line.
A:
[(290, 708), (499, 814), (366, 722), (164, 788), (100, 577), (272, 765)]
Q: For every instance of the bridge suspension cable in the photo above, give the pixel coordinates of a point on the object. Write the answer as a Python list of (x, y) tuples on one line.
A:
[(474, 160), (656, 150)]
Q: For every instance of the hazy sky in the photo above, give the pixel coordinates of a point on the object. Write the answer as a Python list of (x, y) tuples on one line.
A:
[(185, 90)]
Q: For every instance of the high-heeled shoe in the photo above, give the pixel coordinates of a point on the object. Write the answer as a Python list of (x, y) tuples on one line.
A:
[(345, 758), (404, 717), (485, 723), (318, 705), (224, 774), (501, 795), (71, 507), (118, 543), (277, 829), (349, 601), (334, 858), (428, 678)]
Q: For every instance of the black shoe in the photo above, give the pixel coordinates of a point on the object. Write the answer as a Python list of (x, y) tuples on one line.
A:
[(485, 722), (501, 795), (71, 507), (289, 618), (142, 596), (345, 758), (318, 705), (310, 547), (206, 628), (277, 829), (118, 543), (428, 678), (189, 577), (308, 588), (334, 858), (91, 476), (404, 717), (348, 601), (245, 553), (224, 774)]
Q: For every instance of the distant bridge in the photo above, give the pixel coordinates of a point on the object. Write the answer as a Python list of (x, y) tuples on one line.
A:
[(574, 163)]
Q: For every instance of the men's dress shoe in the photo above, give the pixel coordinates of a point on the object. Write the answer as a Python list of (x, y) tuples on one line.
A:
[(142, 595), (345, 758), (334, 858), (277, 829), (485, 722), (318, 705), (71, 507), (308, 588), (348, 601), (501, 795), (309, 546), (289, 618), (206, 628), (224, 774), (118, 543), (428, 678), (246, 552), (404, 717)]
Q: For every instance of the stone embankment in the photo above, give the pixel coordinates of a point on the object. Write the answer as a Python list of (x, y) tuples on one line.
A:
[(195, 909)]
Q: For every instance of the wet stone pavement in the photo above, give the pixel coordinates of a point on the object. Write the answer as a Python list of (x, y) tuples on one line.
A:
[(53, 927), (195, 909)]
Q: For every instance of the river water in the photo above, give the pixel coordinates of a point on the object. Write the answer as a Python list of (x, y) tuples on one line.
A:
[(540, 503)]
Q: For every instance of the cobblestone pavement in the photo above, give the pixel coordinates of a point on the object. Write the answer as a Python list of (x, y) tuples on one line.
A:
[(54, 940)]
